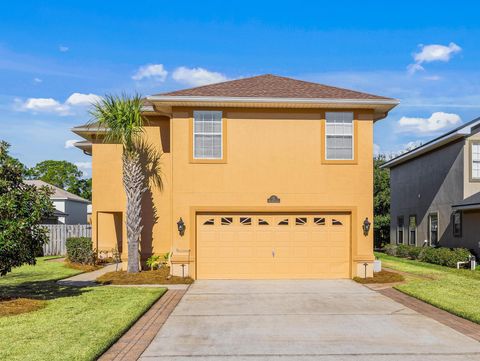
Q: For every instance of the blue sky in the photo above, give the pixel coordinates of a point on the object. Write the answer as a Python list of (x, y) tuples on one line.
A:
[(56, 56)]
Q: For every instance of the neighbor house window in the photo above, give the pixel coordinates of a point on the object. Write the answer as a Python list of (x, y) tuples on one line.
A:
[(412, 226), (433, 229), (207, 135), (400, 225), (339, 136), (475, 161), (457, 224)]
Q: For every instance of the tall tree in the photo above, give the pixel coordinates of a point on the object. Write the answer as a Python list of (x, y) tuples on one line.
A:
[(22, 208), (381, 202), (123, 121), (62, 174)]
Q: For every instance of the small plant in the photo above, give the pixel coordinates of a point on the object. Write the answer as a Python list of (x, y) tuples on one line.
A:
[(153, 262), (80, 250)]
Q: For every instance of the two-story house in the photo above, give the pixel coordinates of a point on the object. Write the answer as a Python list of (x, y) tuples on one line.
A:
[(435, 191), (271, 176)]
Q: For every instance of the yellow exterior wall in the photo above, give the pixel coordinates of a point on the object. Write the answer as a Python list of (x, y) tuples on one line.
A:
[(268, 151)]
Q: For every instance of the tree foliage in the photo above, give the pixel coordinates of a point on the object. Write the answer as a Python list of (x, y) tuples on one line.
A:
[(62, 174), (381, 202), (22, 208)]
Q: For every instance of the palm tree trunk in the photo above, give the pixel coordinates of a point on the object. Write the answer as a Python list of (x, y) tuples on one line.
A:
[(134, 184)]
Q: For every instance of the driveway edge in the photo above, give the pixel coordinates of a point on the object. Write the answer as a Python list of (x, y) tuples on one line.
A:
[(132, 344), (465, 327)]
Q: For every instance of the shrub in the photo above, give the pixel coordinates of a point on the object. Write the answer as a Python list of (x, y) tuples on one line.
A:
[(402, 250), (80, 250), (415, 252), (390, 249), (445, 256)]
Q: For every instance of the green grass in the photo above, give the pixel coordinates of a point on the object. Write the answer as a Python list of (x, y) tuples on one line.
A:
[(76, 324), (455, 291)]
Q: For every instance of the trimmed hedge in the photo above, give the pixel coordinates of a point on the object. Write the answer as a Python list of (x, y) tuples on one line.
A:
[(442, 256), (80, 250)]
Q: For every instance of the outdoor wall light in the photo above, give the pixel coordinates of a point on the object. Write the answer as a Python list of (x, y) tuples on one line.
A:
[(181, 227), (366, 226)]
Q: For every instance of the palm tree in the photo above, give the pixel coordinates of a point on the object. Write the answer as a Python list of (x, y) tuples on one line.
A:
[(122, 119)]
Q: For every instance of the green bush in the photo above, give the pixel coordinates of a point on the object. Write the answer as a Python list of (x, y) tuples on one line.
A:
[(445, 256), (415, 252), (442, 256), (390, 249), (403, 250), (80, 250)]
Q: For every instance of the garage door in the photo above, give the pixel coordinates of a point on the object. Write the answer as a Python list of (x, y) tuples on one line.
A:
[(283, 246)]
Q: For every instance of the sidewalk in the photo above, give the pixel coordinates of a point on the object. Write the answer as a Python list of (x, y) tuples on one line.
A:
[(87, 278)]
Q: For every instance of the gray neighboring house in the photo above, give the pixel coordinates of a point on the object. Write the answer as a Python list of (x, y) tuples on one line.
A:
[(69, 208), (435, 191)]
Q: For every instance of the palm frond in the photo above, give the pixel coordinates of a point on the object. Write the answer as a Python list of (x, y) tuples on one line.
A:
[(122, 118)]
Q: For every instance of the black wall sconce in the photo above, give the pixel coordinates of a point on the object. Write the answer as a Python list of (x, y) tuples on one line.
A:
[(366, 226), (181, 227)]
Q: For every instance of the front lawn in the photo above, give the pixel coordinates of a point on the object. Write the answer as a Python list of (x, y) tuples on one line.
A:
[(455, 291), (75, 323)]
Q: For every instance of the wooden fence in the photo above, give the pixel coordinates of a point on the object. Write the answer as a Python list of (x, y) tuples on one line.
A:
[(58, 234)]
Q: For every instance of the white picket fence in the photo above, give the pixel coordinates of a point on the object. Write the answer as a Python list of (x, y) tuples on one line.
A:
[(58, 234)]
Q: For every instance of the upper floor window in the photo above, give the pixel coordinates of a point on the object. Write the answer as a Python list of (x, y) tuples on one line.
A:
[(475, 160), (339, 136), (207, 135)]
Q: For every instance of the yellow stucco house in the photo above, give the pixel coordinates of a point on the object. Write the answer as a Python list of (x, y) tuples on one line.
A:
[(271, 176)]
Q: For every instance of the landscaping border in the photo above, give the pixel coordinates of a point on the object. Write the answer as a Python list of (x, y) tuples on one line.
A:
[(132, 344), (465, 327)]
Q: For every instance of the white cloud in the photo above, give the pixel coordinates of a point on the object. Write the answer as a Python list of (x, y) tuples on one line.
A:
[(70, 143), (376, 150), (84, 165), (197, 76), (430, 53), (42, 105), (156, 72), (82, 99), (63, 48), (434, 52), (50, 105), (37, 80), (436, 122), (432, 77), (413, 68)]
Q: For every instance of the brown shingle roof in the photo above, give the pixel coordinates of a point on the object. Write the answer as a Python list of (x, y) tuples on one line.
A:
[(272, 86)]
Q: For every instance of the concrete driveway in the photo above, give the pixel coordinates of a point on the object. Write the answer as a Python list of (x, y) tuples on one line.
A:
[(301, 320)]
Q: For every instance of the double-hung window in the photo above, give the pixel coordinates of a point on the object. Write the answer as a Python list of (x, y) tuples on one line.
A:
[(207, 135), (339, 136), (400, 230), (412, 226), (475, 156)]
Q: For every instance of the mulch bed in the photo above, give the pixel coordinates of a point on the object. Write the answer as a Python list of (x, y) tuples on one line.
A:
[(161, 276), (381, 277), (16, 306)]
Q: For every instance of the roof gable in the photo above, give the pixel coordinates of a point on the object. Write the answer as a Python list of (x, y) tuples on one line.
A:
[(464, 130), (58, 193), (272, 86)]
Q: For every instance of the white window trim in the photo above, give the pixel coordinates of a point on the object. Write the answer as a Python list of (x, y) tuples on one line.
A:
[(410, 228), (430, 227), (402, 227), (202, 133), (353, 138), (472, 161)]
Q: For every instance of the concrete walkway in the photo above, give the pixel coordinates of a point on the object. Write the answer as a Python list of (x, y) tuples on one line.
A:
[(87, 278), (301, 320)]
